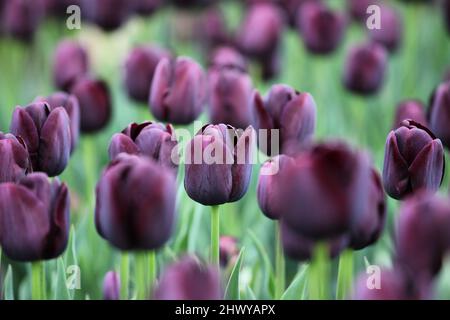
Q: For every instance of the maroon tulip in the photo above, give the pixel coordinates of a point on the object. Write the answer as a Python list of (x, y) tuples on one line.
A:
[(111, 286), (150, 139), (70, 104), (95, 104), (147, 7), (108, 14), (410, 110), (365, 68), (439, 113), (187, 279), (139, 68), (135, 206), (291, 8), (219, 164), (46, 133), (227, 57), (289, 111), (322, 29), (358, 8), (414, 159), (21, 18), (34, 218), (228, 249), (14, 159), (178, 91), (70, 62), (211, 28), (390, 33)]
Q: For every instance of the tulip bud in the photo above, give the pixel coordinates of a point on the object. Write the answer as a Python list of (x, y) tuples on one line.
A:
[(70, 62), (70, 104), (219, 164), (147, 7), (365, 68), (439, 113), (227, 57), (413, 159), (390, 32), (111, 286), (291, 8), (211, 28), (21, 18), (108, 14), (95, 104), (410, 110), (34, 218), (321, 28), (289, 111), (228, 250), (358, 8), (14, 159), (178, 91), (187, 279), (139, 68), (135, 206), (150, 139), (46, 133)]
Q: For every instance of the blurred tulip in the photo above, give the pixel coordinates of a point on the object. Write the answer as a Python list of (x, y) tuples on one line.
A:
[(178, 91), (147, 7), (150, 139), (322, 29), (228, 250), (439, 113), (291, 8), (270, 65), (14, 159), (70, 104), (211, 29), (111, 286), (34, 218), (365, 68), (139, 68), (46, 133), (227, 57), (410, 110), (413, 159), (95, 104), (135, 207), (219, 164), (108, 14), (390, 33), (70, 63), (187, 4), (358, 8), (446, 12), (289, 111), (21, 18), (187, 279)]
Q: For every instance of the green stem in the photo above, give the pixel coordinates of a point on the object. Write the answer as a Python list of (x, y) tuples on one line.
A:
[(319, 273), (215, 224), (124, 275), (345, 275), (151, 270), (38, 290), (140, 263), (90, 167), (279, 265)]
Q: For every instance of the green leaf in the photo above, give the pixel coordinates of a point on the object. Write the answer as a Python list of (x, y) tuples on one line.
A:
[(232, 292), (249, 294), (297, 287), (61, 292), (268, 275), (9, 285)]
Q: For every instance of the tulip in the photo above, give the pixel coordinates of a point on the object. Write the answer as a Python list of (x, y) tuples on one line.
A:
[(413, 159), (34, 218), (14, 159), (187, 279), (188, 4), (150, 139), (365, 68), (446, 12), (410, 110), (70, 63), (439, 112), (21, 18), (95, 104), (178, 92), (390, 32), (141, 219), (321, 28), (290, 112), (230, 95), (291, 8), (358, 8), (111, 286), (70, 104), (108, 14), (139, 69), (46, 133), (147, 7), (228, 250), (227, 57), (211, 28)]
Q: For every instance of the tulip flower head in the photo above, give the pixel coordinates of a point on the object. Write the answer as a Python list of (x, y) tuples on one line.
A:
[(111, 286), (14, 158), (390, 32), (21, 18), (228, 250), (108, 14), (227, 57), (410, 110)]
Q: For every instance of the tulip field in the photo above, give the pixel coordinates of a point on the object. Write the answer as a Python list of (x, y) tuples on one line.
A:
[(93, 116)]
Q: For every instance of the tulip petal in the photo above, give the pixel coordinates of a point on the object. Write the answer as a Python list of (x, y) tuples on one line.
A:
[(22, 125), (121, 143)]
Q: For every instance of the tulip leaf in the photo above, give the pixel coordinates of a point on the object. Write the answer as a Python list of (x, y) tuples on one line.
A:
[(232, 291), (249, 294), (268, 270), (8, 292), (61, 292), (194, 230), (296, 289)]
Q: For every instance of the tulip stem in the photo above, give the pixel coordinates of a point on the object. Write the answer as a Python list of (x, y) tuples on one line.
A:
[(215, 234), (319, 273), (124, 275), (38, 290), (279, 264), (151, 270), (90, 167), (141, 278), (345, 275)]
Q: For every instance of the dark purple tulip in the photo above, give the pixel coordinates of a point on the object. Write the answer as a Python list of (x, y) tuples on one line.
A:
[(219, 164), (21, 18), (230, 97), (289, 111), (228, 249), (270, 65), (322, 29), (325, 190), (14, 159), (34, 218), (139, 68), (108, 14), (439, 113), (70, 62), (188, 4), (70, 104), (211, 28), (364, 68), (150, 139), (358, 8), (178, 91), (187, 279), (291, 8), (147, 7), (227, 57), (135, 206), (46, 133), (410, 110), (413, 159), (370, 223), (446, 12), (390, 33), (111, 286), (95, 104)]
